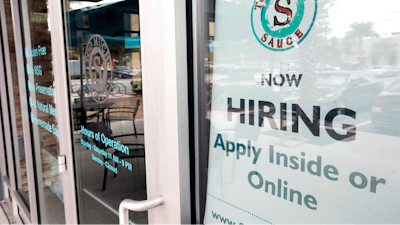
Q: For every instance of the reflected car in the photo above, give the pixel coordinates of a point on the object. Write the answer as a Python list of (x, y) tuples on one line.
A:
[(349, 89), (326, 67), (380, 71), (392, 72), (137, 70), (123, 72), (386, 108)]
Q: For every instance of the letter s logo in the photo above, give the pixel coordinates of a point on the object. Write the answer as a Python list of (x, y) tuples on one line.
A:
[(284, 10)]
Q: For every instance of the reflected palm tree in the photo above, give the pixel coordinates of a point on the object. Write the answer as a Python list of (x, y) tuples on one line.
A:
[(359, 31)]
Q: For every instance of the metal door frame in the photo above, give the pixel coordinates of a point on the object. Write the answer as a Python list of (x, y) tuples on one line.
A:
[(64, 111), (21, 213), (166, 112)]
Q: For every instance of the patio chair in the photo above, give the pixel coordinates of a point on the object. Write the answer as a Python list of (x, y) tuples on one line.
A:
[(136, 150), (80, 117), (81, 113), (120, 114)]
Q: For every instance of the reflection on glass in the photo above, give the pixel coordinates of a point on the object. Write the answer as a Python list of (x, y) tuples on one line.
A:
[(106, 98), (333, 97), (332, 80), (20, 159), (37, 52)]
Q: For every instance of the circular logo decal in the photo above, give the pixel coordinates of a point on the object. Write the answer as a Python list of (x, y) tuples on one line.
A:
[(280, 25), (97, 55)]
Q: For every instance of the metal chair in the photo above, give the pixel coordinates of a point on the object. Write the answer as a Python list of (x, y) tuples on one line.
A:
[(114, 114), (80, 117)]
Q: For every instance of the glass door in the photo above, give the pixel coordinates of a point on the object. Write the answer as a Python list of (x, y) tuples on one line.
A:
[(107, 108), (30, 113), (122, 149), (95, 99), (36, 110)]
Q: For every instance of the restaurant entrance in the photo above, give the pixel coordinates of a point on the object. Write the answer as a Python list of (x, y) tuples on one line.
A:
[(194, 111), (88, 133)]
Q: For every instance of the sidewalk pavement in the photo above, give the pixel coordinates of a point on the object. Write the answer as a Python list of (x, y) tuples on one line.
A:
[(3, 217)]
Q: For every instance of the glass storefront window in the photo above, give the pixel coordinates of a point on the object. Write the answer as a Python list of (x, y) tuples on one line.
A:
[(20, 156), (42, 108), (107, 109), (303, 112)]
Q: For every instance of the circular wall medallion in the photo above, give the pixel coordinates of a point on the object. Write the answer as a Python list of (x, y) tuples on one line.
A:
[(280, 25)]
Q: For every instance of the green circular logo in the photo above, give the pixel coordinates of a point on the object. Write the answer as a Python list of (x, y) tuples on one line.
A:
[(282, 24)]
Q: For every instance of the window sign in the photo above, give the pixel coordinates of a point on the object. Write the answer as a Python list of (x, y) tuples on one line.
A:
[(97, 54), (100, 87), (304, 114)]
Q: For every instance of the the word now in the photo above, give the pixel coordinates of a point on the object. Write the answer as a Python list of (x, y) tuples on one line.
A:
[(279, 80)]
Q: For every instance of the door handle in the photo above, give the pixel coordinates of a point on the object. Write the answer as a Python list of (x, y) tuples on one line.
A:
[(62, 166), (138, 206)]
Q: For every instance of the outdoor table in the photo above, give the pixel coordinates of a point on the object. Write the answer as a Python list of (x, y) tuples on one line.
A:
[(94, 106)]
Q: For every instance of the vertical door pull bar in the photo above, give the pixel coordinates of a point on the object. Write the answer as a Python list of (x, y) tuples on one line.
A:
[(62, 166), (137, 206)]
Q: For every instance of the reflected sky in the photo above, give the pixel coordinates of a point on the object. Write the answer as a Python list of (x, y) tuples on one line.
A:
[(79, 5), (385, 17)]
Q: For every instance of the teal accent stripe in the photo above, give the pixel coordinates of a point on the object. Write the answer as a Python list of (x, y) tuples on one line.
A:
[(312, 24)]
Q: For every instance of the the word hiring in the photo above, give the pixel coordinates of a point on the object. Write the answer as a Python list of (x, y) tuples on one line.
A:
[(268, 109)]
